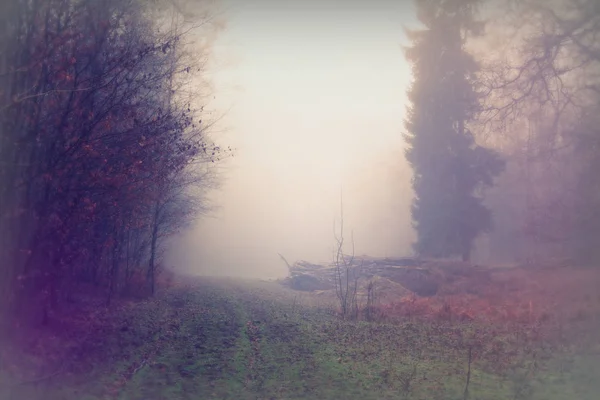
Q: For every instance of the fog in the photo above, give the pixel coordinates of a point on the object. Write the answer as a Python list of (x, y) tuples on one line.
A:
[(313, 101)]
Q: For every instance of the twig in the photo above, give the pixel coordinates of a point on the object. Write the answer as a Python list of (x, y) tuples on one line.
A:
[(138, 368), (43, 378), (466, 394)]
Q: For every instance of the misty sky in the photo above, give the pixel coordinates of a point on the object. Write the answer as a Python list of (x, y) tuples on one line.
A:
[(314, 100)]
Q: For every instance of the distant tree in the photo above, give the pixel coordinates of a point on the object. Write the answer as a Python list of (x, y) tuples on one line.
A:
[(449, 168), (543, 92)]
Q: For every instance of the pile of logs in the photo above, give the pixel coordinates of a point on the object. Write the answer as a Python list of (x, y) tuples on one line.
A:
[(407, 271)]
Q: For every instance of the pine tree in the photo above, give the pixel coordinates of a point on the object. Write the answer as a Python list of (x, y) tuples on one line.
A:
[(449, 168)]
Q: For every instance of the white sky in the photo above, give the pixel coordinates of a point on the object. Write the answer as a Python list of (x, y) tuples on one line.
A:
[(314, 96)]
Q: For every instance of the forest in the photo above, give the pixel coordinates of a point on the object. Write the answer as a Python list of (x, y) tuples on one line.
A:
[(110, 152)]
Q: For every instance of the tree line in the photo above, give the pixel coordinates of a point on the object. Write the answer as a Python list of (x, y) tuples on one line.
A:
[(503, 130), (104, 154)]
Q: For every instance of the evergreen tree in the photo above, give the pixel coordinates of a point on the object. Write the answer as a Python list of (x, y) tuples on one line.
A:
[(449, 168)]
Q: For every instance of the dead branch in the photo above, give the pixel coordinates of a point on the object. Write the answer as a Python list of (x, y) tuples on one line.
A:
[(286, 262)]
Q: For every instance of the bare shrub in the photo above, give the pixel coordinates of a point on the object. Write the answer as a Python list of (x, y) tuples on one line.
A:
[(346, 274)]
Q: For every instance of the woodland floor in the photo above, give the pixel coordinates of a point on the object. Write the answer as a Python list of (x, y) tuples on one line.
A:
[(212, 338)]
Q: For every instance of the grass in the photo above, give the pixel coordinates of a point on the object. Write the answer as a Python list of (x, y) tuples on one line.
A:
[(228, 339)]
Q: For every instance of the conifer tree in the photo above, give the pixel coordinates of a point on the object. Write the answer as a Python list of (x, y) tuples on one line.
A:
[(449, 169)]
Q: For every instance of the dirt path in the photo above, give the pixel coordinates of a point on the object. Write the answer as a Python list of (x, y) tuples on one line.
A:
[(219, 340)]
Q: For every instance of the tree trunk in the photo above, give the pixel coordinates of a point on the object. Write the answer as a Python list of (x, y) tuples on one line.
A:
[(151, 266)]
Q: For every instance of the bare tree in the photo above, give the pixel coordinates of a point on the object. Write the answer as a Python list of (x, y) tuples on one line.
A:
[(542, 97), (103, 152)]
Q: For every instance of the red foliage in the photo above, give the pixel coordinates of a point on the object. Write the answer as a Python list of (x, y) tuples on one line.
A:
[(515, 296), (457, 308)]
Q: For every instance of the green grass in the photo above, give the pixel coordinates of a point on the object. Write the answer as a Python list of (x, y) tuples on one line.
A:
[(241, 340)]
